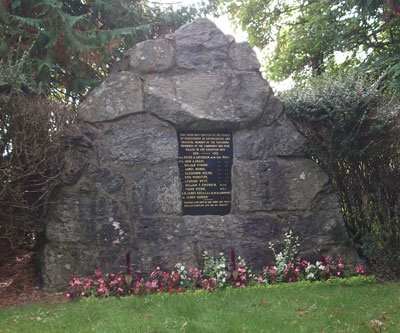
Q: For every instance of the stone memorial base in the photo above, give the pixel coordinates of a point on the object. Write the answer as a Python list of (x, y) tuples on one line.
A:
[(123, 190)]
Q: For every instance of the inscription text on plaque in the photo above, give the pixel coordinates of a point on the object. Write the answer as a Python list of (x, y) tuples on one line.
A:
[(205, 162)]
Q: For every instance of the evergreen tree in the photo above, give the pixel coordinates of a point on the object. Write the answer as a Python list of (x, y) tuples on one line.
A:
[(71, 44)]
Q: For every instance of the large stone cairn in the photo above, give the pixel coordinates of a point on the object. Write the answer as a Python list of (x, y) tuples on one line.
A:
[(122, 190)]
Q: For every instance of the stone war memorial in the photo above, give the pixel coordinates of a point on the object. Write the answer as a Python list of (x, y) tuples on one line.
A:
[(184, 148)]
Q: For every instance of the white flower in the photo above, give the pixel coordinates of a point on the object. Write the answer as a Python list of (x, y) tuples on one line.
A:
[(309, 267), (310, 276)]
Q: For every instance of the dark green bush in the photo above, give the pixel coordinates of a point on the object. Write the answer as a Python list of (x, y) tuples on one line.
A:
[(353, 133)]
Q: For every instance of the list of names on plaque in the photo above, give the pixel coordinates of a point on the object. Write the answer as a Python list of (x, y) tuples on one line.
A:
[(205, 162)]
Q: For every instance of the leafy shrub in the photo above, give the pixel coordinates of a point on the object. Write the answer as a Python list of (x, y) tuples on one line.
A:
[(32, 132), (352, 133)]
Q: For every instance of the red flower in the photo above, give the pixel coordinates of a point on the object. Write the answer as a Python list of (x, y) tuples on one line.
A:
[(97, 272), (359, 270)]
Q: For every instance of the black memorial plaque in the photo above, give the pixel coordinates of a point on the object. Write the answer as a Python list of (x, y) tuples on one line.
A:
[(205, 162)]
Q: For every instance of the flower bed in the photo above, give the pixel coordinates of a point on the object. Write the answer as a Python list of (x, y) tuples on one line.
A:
[(216, 274)]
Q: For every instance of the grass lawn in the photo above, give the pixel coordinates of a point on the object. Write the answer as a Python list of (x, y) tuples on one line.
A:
[(337, 306)]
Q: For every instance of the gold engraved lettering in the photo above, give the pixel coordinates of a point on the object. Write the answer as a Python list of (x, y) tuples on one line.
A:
[(205, 160)]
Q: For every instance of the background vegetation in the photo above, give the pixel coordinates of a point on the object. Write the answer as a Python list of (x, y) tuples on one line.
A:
[(304, 37), (32, 155), (71, 44), (353, 133)]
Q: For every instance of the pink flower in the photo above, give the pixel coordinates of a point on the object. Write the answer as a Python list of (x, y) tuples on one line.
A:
[(77, 281), (237, 284), (338, 273), (154, 284), (157, 268), (359, 270), (97, 272), (148, 284), (243, 277), (120, 290), (260, 277), (68, 295)]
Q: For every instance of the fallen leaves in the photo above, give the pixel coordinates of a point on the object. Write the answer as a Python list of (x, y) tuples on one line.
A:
[(303, 313), (382, 317), (376, 322)]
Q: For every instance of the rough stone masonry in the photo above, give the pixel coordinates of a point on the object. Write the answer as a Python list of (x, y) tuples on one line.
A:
[(122, 189)]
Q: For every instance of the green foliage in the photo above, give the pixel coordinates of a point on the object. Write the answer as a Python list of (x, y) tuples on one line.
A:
[(72, 44), (306, 34), (352, 132)]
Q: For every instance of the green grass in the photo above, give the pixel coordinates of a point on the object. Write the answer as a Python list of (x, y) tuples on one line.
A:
[(337, 306)]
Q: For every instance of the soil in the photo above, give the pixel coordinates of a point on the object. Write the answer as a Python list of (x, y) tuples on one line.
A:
[(20, 281)]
